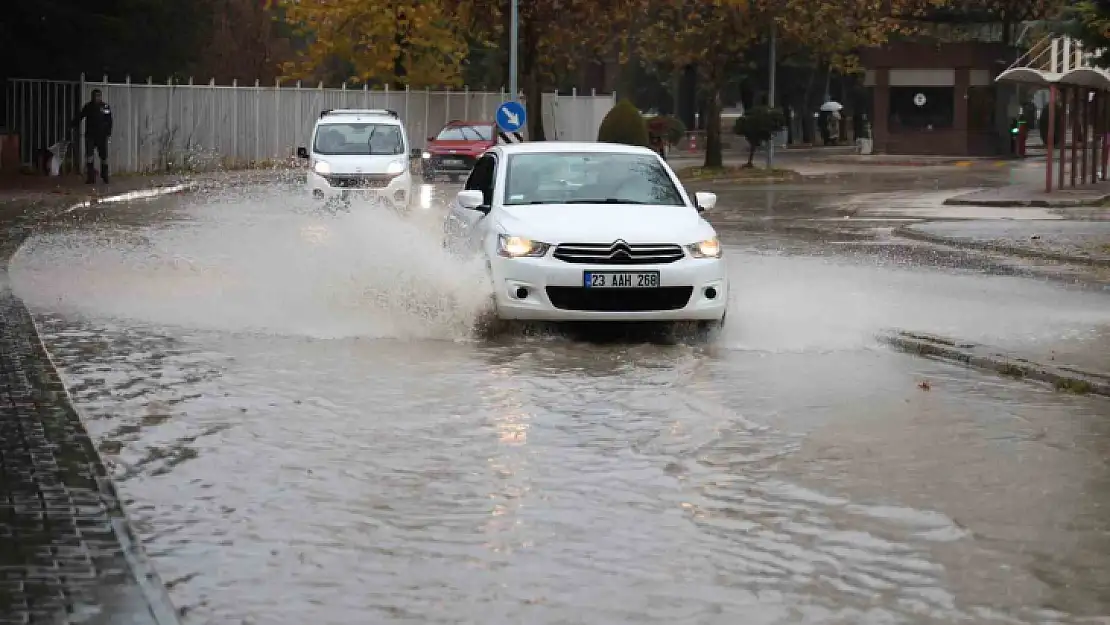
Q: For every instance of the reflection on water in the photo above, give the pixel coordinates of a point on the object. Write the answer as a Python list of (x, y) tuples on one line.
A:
[(296, 451)]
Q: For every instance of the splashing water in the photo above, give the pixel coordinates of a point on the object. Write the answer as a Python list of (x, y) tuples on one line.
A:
[(261, 263)]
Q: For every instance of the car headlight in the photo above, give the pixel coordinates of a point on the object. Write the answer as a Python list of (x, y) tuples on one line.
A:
[(520, 247), (396, 167), (322, 168), (709, 248), (425, 155)]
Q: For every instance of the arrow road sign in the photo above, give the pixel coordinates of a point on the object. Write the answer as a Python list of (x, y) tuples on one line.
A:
[(511, 116)]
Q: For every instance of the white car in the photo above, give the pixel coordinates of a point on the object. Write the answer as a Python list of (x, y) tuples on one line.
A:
[(359, 154), (590, 232)]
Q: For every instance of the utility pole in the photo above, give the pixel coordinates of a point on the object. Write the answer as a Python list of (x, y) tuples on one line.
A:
[(770, 96), (514, 34)]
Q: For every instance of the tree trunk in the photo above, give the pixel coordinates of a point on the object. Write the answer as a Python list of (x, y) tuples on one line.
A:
[(714, 156), (751, 155), (533, 94)]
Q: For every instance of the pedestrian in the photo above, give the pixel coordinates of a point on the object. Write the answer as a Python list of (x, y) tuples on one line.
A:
[(97, 116)]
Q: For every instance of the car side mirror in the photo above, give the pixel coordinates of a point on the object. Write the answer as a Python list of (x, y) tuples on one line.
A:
[(472, 200), (705, 201), (430, 139), (302, 152)]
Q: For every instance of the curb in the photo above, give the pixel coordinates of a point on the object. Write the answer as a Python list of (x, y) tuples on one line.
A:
[(1054, 203), (908, 232), (1062, 378)]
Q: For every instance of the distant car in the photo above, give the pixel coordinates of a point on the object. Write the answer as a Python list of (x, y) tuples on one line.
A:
[(455, 149), (359, 154), (590, 232)]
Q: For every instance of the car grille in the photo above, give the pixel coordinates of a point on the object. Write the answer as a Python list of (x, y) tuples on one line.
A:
[(618, 253), (359, 181), (619, 300)]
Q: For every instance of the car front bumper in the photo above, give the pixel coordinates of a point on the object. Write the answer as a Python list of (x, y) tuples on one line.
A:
[(689, 290), (395, 193)]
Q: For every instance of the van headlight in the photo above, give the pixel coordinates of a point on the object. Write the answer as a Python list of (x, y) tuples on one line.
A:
[(395, 168), (519, 247), (322, 168), (709, 248)]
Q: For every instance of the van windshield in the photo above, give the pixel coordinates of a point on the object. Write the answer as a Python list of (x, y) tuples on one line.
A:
[(359, 138)]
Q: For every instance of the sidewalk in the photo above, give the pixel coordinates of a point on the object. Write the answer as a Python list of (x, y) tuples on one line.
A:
[(1068, 241), (1034, 195), (66, 552)]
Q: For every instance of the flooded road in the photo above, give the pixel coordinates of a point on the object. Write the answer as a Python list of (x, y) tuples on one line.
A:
[(308, 430)]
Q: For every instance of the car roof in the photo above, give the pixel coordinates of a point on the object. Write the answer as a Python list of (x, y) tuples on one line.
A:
[(459, 122), (557, 147)]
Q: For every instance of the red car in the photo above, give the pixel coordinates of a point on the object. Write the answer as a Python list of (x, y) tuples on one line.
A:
[(453, 151)]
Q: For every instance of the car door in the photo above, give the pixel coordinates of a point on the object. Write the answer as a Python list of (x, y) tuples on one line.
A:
[(465, 226)]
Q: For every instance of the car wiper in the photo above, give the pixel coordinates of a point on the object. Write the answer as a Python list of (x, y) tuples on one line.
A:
[(609, 200)]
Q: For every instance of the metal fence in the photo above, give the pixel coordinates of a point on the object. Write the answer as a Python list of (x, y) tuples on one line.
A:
[(163, 127)]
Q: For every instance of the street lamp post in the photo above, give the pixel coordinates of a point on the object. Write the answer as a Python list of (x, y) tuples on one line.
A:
[(770, 96), (513, 35)]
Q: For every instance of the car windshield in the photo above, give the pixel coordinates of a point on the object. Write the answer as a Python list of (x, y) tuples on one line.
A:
[(359, 138), (589, 178), (465, 133)]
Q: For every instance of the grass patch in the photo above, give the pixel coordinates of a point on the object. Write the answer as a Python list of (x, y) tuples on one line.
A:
[(1011, 371), (735, 173), (1071, 385)]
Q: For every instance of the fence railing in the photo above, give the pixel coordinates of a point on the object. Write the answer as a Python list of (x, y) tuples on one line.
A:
[(165, 127)]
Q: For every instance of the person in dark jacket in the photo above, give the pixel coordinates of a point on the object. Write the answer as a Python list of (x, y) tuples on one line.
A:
[(97, 116)]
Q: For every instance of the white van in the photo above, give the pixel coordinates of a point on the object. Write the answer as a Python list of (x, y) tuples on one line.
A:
[(359, 154)]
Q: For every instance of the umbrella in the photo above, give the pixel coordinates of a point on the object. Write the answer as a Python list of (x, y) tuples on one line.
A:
[(831, 106)]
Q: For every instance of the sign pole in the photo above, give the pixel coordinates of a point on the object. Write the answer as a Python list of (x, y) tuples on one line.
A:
[(514, 33)]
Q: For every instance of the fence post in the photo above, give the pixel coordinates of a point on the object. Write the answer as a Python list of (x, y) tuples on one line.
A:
[(406, 103), (235, 120), (367, 99), (300, 114), (256, 157), (277, 120), (169, 120), (466, 101), (427, 107), (385, 96), (447, 105), (79, 156)]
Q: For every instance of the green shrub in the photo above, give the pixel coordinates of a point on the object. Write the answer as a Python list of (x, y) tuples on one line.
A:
[(758, 126), (623, 124)]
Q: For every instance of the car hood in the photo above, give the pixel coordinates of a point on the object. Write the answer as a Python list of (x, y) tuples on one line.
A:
[(458, 147), (359, 164), (605, 223)]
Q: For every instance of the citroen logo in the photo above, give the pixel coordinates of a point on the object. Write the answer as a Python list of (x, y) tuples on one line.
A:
[(620, 249)]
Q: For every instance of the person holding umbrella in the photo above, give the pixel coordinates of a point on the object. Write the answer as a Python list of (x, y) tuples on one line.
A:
[(831, 128)]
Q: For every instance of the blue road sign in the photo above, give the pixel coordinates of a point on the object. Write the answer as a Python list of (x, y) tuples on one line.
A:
[(511, 116)]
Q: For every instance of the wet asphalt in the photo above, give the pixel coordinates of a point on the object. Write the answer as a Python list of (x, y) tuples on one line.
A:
[(307, 428)]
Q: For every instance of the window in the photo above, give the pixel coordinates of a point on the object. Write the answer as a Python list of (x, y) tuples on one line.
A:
[(482, 177), (589, 178), (922, 108), (466, 133), (359, 139)]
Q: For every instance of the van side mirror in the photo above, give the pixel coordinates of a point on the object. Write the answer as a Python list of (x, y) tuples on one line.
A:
[(302, 152)]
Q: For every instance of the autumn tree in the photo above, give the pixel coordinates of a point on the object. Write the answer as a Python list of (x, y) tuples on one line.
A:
[(711, 35), (555, 38), (244, 41), (412, 42), (1089, 21)]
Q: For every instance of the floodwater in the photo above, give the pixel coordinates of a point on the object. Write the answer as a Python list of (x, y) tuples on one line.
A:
[(308, 430)]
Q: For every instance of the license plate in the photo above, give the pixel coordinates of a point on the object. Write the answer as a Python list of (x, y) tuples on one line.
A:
[(620, 279), (452, 161)]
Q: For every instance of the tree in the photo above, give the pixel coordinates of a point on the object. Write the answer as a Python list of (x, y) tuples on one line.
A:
[(413, 42), (711, 35), (758, 126), (555, 38), (244, 41), (1089, 21)]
